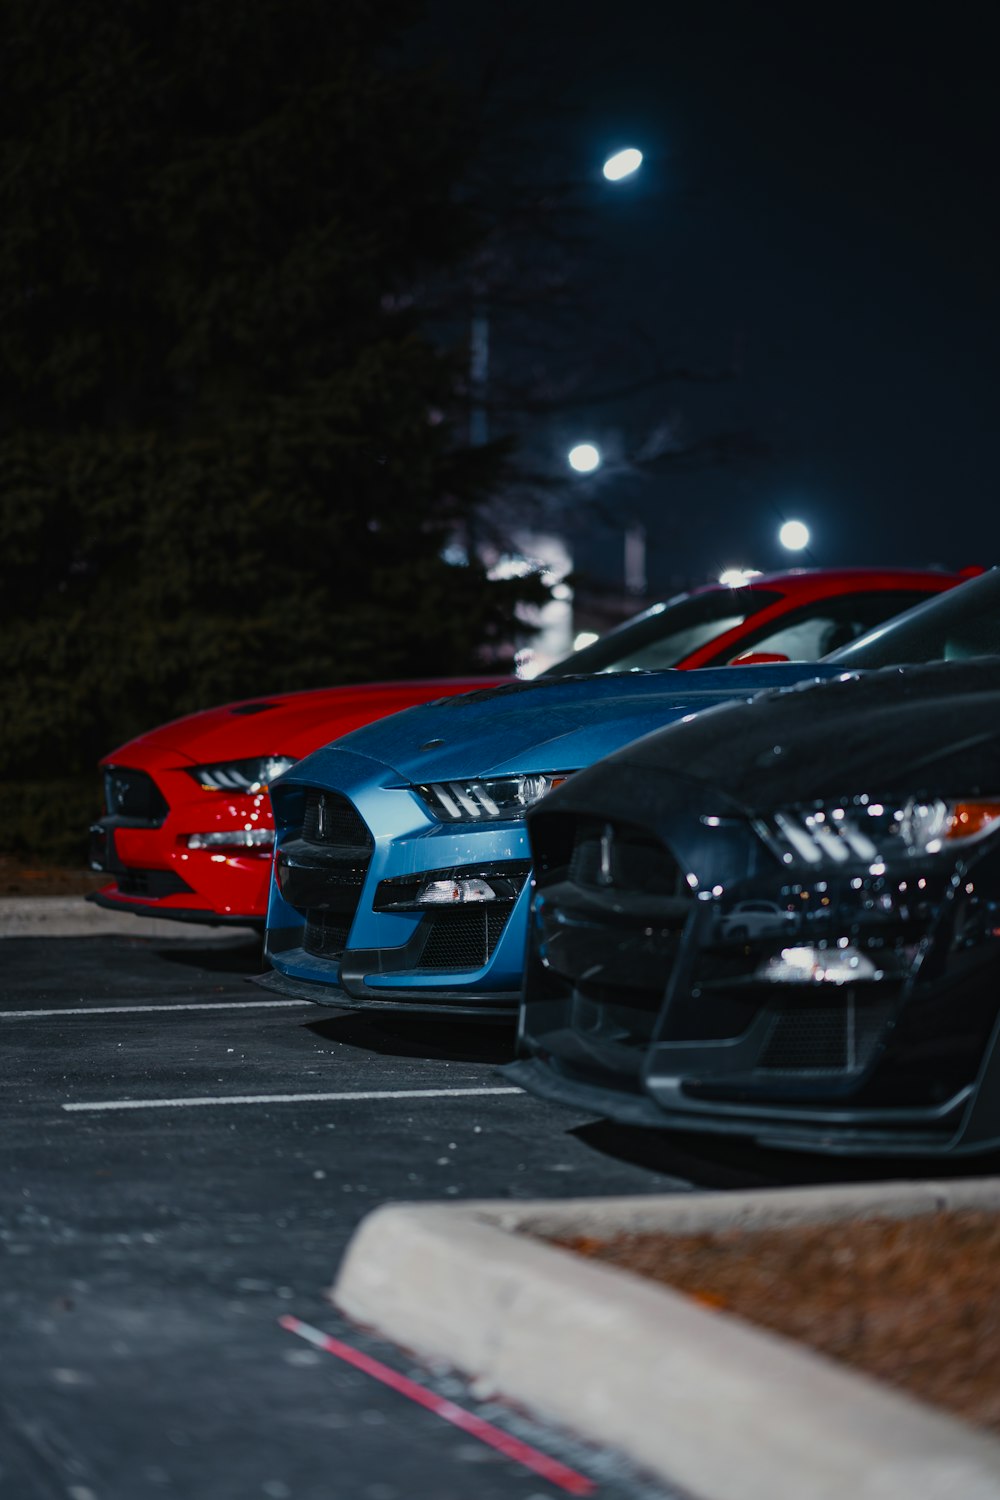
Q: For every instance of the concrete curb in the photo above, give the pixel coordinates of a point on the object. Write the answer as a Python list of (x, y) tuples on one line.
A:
[(73, 916), (709, 1403)]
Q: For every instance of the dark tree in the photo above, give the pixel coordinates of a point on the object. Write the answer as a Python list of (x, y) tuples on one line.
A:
[(227, 457)]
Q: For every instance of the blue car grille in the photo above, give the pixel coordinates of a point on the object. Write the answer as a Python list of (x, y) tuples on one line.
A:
[(322, 871), (463, 939), (331, 819), (325, 934)]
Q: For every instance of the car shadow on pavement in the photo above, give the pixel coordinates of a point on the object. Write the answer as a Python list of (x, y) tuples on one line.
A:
[(242, 955), (419, 1036), (714, 1162)]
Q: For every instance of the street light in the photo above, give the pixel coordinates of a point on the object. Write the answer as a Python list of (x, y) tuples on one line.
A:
[(584, 458), (737, 578), (622, 164), (794, 536)]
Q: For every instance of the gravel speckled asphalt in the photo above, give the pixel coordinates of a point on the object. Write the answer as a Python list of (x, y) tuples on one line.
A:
[(149, 1253)]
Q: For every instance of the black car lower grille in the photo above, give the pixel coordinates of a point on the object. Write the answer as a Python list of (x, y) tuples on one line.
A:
[(828, 1039), (133, 795), (629, 1022), (462, 939), (153, 884)]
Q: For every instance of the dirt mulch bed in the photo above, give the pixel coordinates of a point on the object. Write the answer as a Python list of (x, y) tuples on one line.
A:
[(914, 1302), (20, 879)]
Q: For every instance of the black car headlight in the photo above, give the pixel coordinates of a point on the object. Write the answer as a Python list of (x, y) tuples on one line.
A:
[(863, 830), (490, 800), (242, 775)]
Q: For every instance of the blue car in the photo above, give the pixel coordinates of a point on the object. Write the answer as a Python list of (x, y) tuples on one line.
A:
[(401, 870), (401, 867)]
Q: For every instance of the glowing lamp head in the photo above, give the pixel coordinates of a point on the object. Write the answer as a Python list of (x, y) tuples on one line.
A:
[(622, 164), (584, 458), (737, 578), (794, 535)]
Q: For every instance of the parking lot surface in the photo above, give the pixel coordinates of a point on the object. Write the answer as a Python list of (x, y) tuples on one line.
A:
[(185, 1157)]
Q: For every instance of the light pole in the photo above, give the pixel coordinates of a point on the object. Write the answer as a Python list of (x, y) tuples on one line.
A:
[(622, 164), (586, 458), (479, 370)]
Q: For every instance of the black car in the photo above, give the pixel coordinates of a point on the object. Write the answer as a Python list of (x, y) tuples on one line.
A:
[(782, 920)]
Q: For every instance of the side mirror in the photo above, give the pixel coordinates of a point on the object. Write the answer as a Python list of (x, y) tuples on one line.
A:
[(757, 658)]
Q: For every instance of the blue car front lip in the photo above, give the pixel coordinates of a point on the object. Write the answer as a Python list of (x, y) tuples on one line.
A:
[(322, 992)]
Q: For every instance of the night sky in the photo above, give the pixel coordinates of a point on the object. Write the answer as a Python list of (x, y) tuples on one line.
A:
[(817, 214)]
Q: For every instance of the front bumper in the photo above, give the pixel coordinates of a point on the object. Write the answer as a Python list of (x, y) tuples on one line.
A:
[(679, 1023), (112, 900), (152, 868), (834, 1133), (444, 1003), (343, 920)]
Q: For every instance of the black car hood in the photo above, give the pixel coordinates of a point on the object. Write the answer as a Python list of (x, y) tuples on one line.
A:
[(928, 730)]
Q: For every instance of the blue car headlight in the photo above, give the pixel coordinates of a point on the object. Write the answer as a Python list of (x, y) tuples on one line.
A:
[(501, 797)]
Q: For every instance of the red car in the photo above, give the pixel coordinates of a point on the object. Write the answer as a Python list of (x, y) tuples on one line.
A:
[(798, 615), (187, 831)]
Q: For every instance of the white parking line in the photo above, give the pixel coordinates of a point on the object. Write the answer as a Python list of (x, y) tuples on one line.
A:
[(131, 1010), (343, 1098)]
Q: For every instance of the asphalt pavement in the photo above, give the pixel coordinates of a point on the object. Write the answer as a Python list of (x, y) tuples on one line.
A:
[(184, 1159)]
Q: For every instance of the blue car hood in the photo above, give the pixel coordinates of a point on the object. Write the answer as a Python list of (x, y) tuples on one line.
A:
[(557, 724)]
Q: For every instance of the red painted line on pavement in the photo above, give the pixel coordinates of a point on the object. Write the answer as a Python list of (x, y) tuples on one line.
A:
[(511, 1447)]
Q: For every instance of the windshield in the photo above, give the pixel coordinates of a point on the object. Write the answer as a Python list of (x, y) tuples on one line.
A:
[(664, 635), (952, 626)]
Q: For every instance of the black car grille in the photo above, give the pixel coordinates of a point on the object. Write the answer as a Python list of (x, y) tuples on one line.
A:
[(154, 884), (827, 1039), (462, 939), (612, 910), (133, 795), (616, 857)]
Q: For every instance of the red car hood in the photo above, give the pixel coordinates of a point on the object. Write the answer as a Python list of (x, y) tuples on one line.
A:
[(287, 723)]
